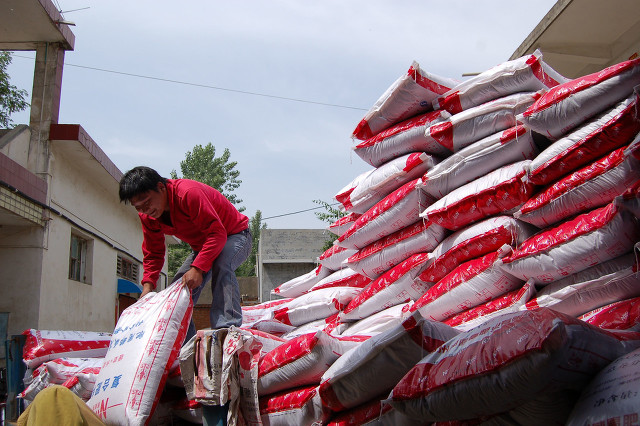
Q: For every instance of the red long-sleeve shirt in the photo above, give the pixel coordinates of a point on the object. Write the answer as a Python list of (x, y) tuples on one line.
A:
[(200, 216)]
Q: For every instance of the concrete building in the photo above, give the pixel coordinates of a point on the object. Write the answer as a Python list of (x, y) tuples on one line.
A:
[(284, 254), (66, 241)]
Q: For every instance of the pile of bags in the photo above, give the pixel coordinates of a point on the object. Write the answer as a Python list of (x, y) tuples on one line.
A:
[(486, 266), (130, 376)]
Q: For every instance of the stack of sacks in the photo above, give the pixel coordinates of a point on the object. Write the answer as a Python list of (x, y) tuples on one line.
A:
[(60, 357), (513, 192)]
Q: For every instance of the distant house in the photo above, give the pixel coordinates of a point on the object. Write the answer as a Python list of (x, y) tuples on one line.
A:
[(70, 252), (284, 254)]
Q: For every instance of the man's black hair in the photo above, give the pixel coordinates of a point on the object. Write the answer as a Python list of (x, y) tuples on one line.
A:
[(138, 180)]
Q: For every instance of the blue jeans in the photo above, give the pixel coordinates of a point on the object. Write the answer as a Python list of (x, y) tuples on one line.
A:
[(225, 308)]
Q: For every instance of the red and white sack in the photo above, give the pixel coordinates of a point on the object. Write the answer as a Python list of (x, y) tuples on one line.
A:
[(612, 397), (498, 192), (329, 325), (583, 296), (397, 210), (403, 138), (301, 406), (478, 159), (569, 104), (302, 284), (380, 256), (317, 304), (341, 225), (474, 241), (144, 345), (379, 322), (301, 361), (411, 94), (57, 372), (333, 257), (345, 277), (506, 362), (45, 345), (473, 124), (574, 245), (526, 74), (269, 341), (472, 283), (376, 365), (621, 315), (272, 326), (610, 130), (590, 187), (397, 285), (385, 179), (83, 383), (507, 303), (264, 310), (373, 413)]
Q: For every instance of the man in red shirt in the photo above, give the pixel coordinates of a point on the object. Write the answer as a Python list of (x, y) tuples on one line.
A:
[(202, 217)]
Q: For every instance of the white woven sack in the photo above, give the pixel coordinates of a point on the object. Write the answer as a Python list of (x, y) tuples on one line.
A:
[(384, 180), (505, 363), (144, 345), (411, 94), (301, 361), (398, 210), (301, 284), (592, 288), (472, 283), (479, 158), (403, 138), (316, 305), (612, 129), (376, 365), (612, 396), (567, 105), (585, 189), (300, 406), (574, 245), (473, 124), (333, 257), (261, 311), (379, 322), (397, 285), (380, 256), (499, 192), (45, 345), (474, 241), (525, 74)]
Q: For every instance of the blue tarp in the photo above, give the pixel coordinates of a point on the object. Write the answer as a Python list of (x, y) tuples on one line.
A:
[(126, 286)]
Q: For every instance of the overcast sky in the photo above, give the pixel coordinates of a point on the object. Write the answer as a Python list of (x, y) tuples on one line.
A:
[(280, 83)]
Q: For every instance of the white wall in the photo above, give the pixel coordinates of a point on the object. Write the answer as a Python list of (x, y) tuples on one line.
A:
[(20, 261)]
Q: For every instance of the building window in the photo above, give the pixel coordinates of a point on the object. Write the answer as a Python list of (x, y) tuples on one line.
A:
[(127, 269), (80, 258)]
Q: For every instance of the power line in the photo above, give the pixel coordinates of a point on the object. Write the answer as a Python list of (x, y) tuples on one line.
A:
[(207, 86), (299, 211)]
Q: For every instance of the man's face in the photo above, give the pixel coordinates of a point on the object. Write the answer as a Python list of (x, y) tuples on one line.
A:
[(152, 203)]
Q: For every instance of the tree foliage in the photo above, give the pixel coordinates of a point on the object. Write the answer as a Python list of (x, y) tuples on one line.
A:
[(201, 164), (248, 268), (12, 99), (329, 215)]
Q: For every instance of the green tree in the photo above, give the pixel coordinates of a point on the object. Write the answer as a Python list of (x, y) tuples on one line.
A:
[(330, 215), (201, 164), (248, 268), (12, 99)]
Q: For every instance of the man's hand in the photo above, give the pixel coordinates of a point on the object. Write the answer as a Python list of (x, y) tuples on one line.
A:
[(192, 278), (146, 288)]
